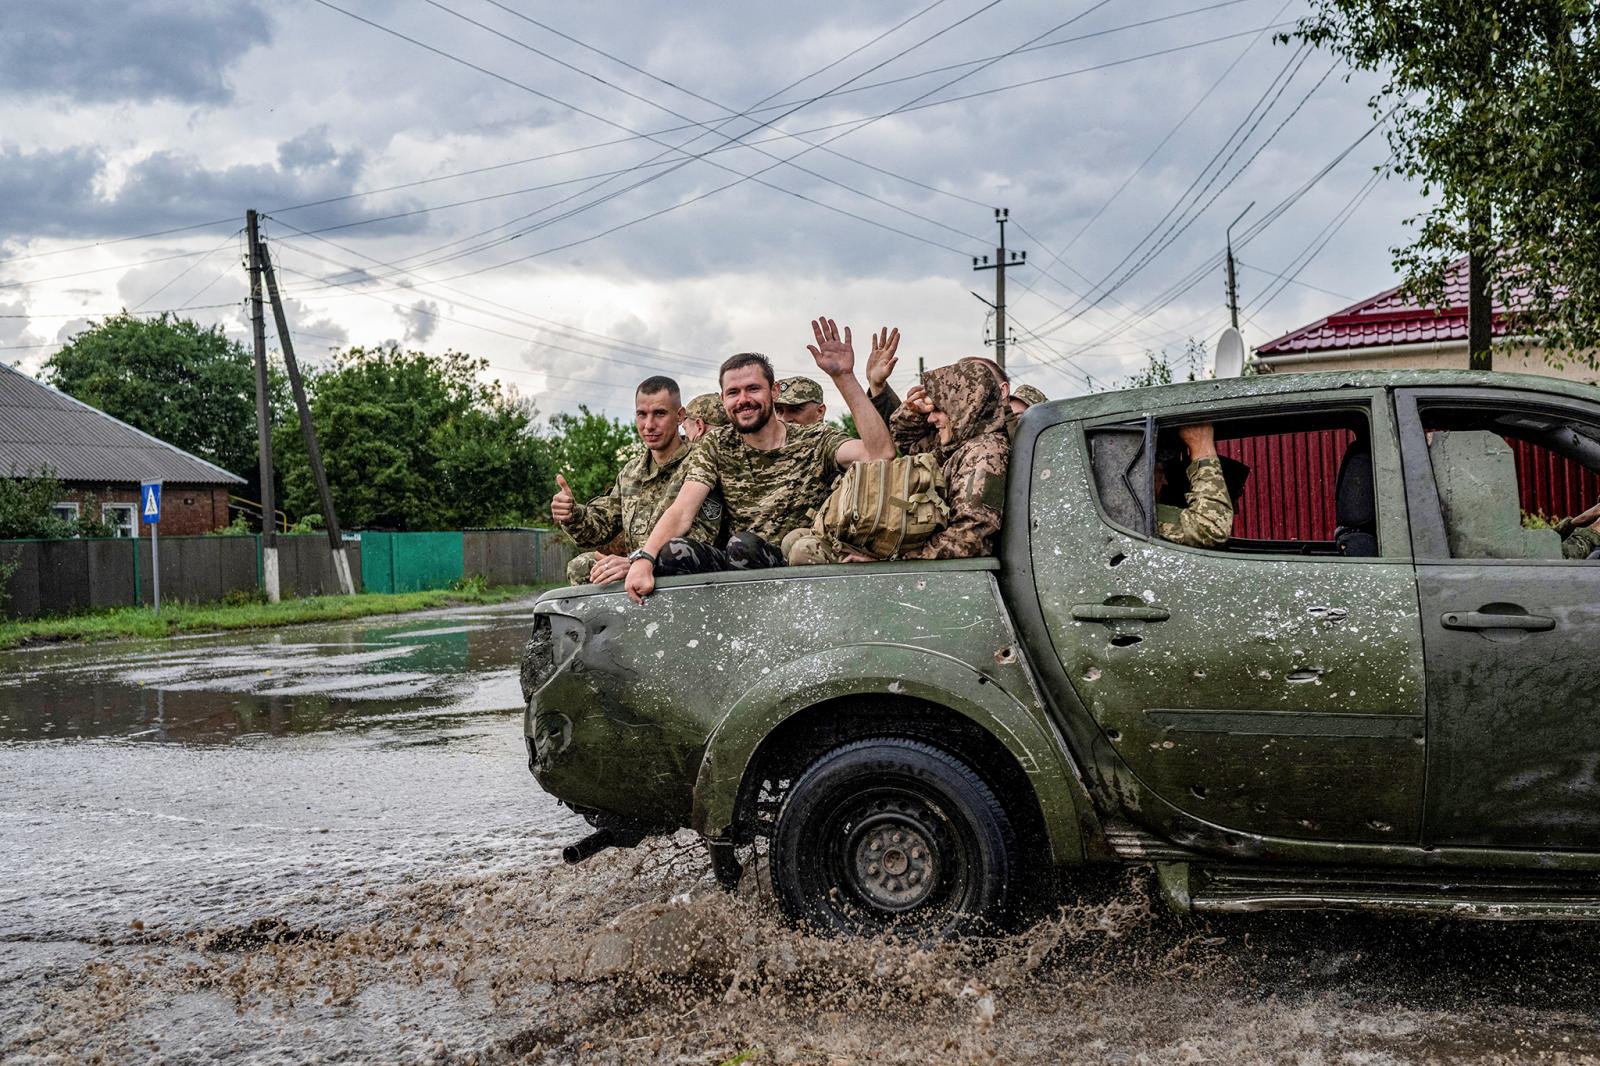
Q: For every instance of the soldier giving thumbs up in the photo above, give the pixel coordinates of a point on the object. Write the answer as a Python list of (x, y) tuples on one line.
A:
[(561, 504)]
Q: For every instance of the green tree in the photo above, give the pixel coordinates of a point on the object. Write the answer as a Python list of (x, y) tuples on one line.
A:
[(25, 501), (418, 441), (1496, 109), (171, 378), (588, 449)]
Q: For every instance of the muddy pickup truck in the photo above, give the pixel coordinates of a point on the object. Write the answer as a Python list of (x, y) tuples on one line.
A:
[(1380, 693)]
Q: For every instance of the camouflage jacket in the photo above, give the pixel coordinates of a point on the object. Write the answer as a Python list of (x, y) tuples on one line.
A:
[(974, 459), (636, 501), (1207, 521), (769, 493), (975, 489), (910, 429), (1577, 543)]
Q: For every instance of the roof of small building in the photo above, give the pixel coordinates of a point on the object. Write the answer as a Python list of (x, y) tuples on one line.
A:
[(45, 429), (1385, 319)]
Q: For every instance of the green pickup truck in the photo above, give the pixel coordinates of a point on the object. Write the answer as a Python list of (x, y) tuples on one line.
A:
[(1380, 693)]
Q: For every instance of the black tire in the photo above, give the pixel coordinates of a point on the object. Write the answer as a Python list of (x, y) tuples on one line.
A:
[(894, 835)]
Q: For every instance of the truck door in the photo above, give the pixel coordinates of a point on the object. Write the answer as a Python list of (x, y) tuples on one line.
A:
[(1272, 685), (1510, 624)]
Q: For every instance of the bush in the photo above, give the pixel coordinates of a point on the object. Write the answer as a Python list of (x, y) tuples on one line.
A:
[(476, 584)]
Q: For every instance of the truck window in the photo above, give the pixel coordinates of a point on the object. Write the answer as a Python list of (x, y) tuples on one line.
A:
[(1507, 479), (1300, 484)]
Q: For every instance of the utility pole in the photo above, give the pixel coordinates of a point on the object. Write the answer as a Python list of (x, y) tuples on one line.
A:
[(341, 561), (1233, 277), (258, 326), (1480, 309), (1002, 260)]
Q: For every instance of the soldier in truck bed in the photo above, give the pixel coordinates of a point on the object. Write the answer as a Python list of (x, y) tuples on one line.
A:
[(772, 474), (644, 488), (963, 405)]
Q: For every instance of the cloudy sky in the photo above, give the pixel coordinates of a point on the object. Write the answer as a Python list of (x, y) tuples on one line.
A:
[(587, 195)]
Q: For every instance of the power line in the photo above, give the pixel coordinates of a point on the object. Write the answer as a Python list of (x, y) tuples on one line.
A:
[(677, 148), (1212, 167), (1303, 284), (855, 125)]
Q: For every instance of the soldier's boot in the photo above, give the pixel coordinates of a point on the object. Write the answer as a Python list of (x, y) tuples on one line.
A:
[(810, 549)]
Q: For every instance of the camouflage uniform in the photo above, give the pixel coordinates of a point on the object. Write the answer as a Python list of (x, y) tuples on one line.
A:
[(708, 408), (1207, 520), (632, 508), (797, 392), (973, 463), (767, 495), (1027, 394), (914, 434), (1578, 542)]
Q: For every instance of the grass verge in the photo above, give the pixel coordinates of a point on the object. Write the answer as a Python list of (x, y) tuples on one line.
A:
[(124, 622)]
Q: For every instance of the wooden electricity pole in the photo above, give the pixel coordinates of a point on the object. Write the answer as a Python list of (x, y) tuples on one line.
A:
[(341, 562)]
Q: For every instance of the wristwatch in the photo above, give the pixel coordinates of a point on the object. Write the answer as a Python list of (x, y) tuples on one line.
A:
[(640, 553)]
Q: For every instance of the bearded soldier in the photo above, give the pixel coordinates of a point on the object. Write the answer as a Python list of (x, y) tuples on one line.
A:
[(645, 486), (773, 475)]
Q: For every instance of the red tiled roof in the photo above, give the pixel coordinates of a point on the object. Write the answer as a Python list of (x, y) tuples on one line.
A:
[(1387, 318)]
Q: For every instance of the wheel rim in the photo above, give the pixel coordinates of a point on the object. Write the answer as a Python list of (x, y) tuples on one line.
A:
[(892, 851)]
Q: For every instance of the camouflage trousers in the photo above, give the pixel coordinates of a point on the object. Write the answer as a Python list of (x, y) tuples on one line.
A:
[(578, 569), (745, 551)]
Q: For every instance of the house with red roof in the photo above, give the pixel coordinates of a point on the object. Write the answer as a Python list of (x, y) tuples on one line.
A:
[(1391, 331)]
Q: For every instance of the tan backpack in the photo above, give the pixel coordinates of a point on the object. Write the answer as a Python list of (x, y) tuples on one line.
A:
[(884, 507)]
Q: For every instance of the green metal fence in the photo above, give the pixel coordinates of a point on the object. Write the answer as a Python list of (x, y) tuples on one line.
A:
[(409, 562)]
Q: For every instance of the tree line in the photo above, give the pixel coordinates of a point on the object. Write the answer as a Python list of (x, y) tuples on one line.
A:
[(410, 440)]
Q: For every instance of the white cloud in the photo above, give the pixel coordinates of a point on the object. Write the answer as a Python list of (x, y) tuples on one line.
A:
[(335, 107)]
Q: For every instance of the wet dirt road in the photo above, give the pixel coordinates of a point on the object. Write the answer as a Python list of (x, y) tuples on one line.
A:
[(322, 844)]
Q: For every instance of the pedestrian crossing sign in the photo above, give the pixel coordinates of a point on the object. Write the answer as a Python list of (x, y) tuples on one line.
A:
[(150, 502)]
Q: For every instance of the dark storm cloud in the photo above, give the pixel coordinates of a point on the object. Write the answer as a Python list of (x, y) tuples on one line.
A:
[(58, 192), (115, 50)]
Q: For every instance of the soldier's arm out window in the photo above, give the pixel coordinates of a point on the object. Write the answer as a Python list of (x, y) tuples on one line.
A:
[(1296, 484)]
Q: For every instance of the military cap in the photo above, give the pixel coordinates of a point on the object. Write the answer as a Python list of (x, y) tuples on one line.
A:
[(797, 391), (1027, 394), (708, 408)]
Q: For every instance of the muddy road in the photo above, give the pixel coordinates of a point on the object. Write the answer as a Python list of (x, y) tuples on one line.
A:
[(323, 845)]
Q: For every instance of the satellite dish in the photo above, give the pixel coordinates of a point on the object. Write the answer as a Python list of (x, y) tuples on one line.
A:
[(1230, 354)]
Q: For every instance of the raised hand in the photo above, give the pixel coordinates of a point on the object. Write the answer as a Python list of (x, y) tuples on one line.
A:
[(834, 357), (881, 362), (561, 504), (917, 400)]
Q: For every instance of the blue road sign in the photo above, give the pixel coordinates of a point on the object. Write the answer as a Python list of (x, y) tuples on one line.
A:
[(150, 502)]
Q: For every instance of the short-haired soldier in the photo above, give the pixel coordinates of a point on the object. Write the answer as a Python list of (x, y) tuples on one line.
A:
[(773, 474), (704, 413), (799, 401), (645, 486)]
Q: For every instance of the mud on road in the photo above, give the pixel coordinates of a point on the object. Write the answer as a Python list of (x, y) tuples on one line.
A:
[(229, 850)]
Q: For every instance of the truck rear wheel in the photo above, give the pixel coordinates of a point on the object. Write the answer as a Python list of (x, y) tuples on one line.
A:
[(890, 834)]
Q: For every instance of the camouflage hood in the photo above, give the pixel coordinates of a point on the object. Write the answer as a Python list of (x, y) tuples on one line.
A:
[(970, 394)]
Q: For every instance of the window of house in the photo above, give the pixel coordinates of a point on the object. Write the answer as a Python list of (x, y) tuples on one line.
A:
[(120, 517), (65, 510), (1510, 482), (1299, 484)]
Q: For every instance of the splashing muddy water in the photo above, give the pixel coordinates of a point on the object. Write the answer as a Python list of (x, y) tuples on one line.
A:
[(323, 845)]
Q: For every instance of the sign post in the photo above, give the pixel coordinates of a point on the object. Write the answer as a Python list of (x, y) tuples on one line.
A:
[(150, 515)]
